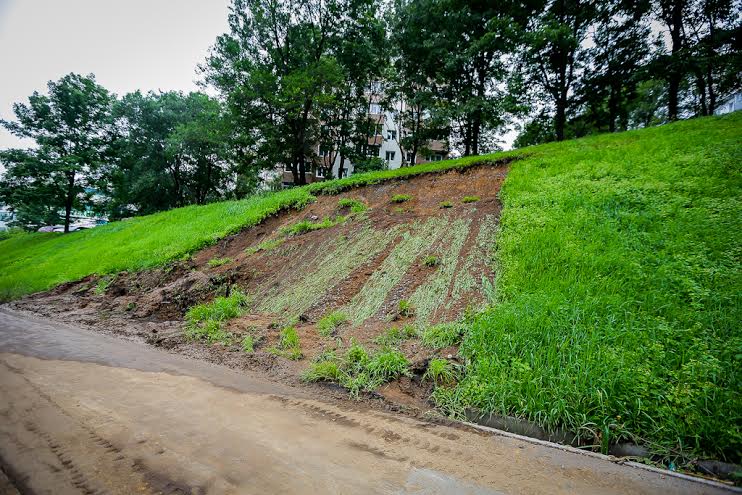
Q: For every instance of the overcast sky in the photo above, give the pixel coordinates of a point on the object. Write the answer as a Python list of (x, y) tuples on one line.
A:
[(127, 44)]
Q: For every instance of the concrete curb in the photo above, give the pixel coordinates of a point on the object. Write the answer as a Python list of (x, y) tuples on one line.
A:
[(615, 460)]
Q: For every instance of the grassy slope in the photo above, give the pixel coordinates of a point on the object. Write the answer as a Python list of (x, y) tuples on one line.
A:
[(619, 291), (39, 261)]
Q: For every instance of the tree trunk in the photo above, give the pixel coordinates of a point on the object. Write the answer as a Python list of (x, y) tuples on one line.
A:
[(612, 109), (467, 137), (675, 73), (69, 200), (701, 85), (561, 118), (302, 170), (340, 166)]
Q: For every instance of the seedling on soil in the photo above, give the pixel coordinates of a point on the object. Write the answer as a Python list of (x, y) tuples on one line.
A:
[(445, 204), (470, 199), (355, 205), (288, 345), (442, 335), (248, 344), (214, 262), (401, 198), (431, 261), (327, 325), (404, 308), (440, 372), (206, 321)]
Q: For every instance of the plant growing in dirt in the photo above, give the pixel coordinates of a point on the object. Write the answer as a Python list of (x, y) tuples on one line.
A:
[(288, 345), (405, 309), (214, 262), (470, 199), (445, 204), (442, 335), (441, 372), (102, 286), (401, 198), (431, 261), (266, 245), (330, 322), (305, 226), (395, 336), (323, 371), (206, 321), (248, 344), (355, 205)]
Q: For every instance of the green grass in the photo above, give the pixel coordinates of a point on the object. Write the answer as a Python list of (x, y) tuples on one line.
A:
[(431, 261), (401, 198), (214, 262), (206, 321), (288, 345), (327, 325), (470, 199), (248, 344), (442, 335), (305, 226), (355, 205), (267, 245), (440, 372), (395, 336), (445, 204), (619, 291)]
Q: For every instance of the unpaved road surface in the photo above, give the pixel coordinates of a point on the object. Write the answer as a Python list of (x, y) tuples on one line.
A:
[(86, 413)]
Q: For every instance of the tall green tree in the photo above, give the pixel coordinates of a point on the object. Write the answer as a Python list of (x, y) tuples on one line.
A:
[(274, 72), (71, 129)]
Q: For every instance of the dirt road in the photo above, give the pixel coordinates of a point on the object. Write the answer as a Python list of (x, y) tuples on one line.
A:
[(85, 413)]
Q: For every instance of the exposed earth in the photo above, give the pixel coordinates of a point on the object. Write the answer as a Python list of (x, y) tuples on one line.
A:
[(362, 267), (88, 413)]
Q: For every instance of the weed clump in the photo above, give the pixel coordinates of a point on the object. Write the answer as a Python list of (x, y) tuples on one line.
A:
[(401, 198), (327, 325), (267, 245), (206, 321), (360, 371), (248, 344), (288, 345), (395, 336), (102, 286), (305, 226), (431, 261), (445, 204), (470, 199), (214, 262), (404, 308), (355, 205), (440, 372), (442, 335)]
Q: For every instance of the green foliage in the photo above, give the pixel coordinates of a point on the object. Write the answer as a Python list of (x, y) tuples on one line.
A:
[(470, 199), (355, 205), (206, 321), (442, 335), (214, 262), (360, 371), (267, 245), (305, 226), (11, 232), (401, 198), (248, 344), (431, 261), (327, 325), (440, 372), (395, 336), (288, 345), (404, 308), (445, 204), (618, 291), (102, 286)]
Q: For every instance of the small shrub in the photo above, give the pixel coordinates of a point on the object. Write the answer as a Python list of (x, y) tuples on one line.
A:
[(401, 198), (445, 204), (248, 344), (395, 336), (470, 199), (431, 261), (355, 205), (442, 335), (440, 372), (214, 262), (207, 320), (404, 308), (267, 245), (327, 325), (288, 344)]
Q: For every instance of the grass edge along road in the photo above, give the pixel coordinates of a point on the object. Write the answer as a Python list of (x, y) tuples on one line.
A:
[(618, 290)]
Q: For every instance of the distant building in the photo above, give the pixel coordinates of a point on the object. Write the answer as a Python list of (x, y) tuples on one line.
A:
[(731, 104)]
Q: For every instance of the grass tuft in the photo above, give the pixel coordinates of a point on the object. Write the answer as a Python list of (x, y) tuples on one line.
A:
[(445, 204), (440, 372), (470, 199), (401, 198), (327, 325), (267, 245), (288, 345), (206, 321), (355, 205), (214, 262), (431, 261), (442, 335), (305, 226)]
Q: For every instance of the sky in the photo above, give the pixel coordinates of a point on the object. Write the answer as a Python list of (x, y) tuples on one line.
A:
[(127, 44)]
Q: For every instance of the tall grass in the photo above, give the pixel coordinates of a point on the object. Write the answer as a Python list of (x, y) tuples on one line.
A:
[(619, 291)]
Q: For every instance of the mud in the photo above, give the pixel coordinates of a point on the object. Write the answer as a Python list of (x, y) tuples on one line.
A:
[(308, 276)]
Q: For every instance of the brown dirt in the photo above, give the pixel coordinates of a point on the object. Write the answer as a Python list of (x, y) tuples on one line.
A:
[(150, 305)]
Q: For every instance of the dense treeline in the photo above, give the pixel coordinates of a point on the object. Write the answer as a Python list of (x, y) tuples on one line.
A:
[(296, 82)]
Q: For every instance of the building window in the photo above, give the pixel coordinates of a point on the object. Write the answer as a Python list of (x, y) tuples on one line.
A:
[(372, 151), (375, 108), (390, 155), (390, 134)]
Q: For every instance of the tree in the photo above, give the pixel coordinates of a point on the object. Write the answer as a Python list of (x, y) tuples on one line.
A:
[(273, 70), (673, 13), (71, 128), (555, 53)]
